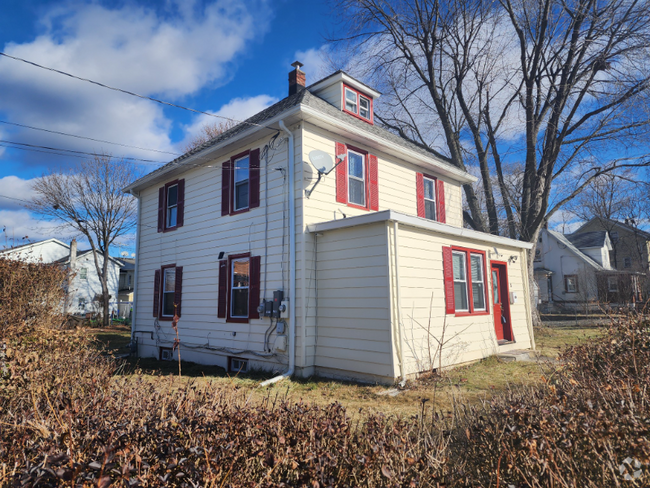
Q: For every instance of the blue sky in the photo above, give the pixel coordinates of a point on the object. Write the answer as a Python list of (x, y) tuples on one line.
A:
[(224, 57)]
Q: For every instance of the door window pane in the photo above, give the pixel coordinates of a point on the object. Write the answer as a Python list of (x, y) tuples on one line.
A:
[(495, 286)]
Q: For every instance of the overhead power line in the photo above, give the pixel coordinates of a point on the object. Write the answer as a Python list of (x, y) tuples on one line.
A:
[(162, 102), (63, 152), (88, 138)]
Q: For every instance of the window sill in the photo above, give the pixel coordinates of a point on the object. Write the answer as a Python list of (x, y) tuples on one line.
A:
[(368, 121), (237, 320), (473, 314), (170, 229)]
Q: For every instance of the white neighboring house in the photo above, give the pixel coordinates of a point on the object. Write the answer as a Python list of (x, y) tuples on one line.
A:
[(370, 261), (86, 285), (574, 271)]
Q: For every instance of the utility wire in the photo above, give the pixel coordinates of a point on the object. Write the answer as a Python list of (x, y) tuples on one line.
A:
[(88, 138), (58, 150), (162, 102)]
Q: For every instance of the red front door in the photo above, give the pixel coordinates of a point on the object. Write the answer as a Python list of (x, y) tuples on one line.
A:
[(500, 302)]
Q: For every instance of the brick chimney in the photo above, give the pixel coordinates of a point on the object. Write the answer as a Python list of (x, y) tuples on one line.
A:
[(73, 253), (296, 78)]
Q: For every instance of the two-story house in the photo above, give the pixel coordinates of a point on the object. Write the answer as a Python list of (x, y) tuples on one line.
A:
[(363, 272)]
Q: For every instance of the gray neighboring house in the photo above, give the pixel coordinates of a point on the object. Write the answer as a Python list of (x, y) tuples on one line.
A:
[(574, 272)]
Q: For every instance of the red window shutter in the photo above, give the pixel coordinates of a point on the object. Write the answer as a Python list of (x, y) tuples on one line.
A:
[(254, 288), (448, 270), (440, 199), (254, 179), (180, 217), (178, 289), (225, 188), (156, 293), (419, 194), (223, 289), (161, 209), (373, 181), (341, 173)]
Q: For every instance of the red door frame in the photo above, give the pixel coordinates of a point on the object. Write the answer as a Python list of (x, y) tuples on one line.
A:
[(502, 269)]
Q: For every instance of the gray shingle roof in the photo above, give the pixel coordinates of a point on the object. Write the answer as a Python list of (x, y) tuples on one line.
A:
[(588, 239), (306, 98)]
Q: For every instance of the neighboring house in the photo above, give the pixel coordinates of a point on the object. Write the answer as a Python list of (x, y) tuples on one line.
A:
[(630, 245), (127, 279), (353, 274), (85, 286), (574, 271)]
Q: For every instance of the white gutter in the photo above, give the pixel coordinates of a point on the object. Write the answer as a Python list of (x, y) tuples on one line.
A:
[(400, 332), (292, 263), (137, 261)]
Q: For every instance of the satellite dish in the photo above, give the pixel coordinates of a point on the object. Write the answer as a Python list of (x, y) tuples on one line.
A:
[(322, 161)]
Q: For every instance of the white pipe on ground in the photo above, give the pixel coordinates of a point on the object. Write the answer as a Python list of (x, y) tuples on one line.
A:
[(292, 263)]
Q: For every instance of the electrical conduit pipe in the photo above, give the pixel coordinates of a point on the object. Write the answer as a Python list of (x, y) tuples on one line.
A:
[(292, 262)]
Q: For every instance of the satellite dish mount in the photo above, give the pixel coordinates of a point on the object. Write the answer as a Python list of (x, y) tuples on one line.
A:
[(324, 164)]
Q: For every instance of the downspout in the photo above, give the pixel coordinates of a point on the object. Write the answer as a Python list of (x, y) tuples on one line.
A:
[(292, 263), (137, 260), (400, 332)]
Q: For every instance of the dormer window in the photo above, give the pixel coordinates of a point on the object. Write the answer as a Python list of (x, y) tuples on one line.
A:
[(357, 104)]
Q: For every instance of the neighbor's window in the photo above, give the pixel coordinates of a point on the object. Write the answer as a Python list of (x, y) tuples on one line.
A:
[(627, 262), (429, 198), (460, 281), (172, 206), (83, 274), (240, 280), (82, 303), (356, 178), (241, 180), (168, 292), (358, 104), (612, 284), (571, 284), (478, 282)]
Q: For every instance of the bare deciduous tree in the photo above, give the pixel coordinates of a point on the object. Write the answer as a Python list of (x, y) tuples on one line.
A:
[(550, 84), (209, 131), (89, 199)]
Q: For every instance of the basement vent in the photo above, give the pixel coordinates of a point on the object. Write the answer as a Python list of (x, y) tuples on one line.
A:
[(166, 354)]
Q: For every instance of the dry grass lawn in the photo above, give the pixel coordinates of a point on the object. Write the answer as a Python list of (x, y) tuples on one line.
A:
[(465, 384)]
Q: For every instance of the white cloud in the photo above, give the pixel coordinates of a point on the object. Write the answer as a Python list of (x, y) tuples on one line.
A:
[(20, 227), (14, 192), (317, 63), (166, 54), (237, 109)]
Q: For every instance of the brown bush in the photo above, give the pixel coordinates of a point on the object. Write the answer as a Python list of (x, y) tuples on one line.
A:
[(65, 419)]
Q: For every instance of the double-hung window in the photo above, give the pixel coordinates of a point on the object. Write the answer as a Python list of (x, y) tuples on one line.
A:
[(83, 273), (239, 288), (612, 284), (171, 205), (465, 288), (241, 183), (240, 279), (429, 198), (358, 104), (356, 178), (571, 283), (167, 292)]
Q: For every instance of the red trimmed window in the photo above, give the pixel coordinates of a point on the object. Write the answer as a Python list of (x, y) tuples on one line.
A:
[(465, 283), (167, 291), (357, 104), (430, 194), (171, 205), (239, 288), (240, 183), (356, 178)]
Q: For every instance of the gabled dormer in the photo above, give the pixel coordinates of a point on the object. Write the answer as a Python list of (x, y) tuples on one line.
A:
[(347, 94)]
